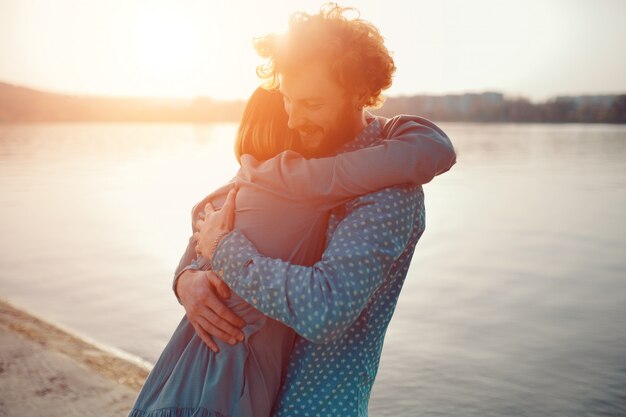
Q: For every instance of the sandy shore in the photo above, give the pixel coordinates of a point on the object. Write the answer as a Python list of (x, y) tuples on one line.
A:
[(46, 371)]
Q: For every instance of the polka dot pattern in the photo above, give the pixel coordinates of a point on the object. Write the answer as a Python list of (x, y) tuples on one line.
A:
[(341, 306)]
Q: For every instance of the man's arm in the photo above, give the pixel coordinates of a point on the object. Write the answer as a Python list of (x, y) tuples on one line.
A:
[(321, 301)]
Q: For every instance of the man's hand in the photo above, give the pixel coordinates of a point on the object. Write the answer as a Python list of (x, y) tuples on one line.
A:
[(214, 224), (200, 293)]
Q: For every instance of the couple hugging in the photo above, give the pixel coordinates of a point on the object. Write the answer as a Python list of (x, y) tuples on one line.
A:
[(295, 266)]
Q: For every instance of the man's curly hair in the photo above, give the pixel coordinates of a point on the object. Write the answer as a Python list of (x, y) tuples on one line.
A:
[(354, 49)]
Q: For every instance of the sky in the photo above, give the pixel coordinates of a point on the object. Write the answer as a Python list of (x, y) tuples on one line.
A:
[(185, 48)]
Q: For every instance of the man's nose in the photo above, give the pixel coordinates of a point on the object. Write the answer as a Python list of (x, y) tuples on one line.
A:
[(295, 117)]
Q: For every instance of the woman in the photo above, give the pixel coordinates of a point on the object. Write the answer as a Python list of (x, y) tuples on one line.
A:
[(282, 206)]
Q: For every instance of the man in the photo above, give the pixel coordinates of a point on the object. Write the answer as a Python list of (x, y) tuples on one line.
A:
[(328, 68)]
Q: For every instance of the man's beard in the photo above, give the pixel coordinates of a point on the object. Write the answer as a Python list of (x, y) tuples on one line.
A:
[(342, 132)]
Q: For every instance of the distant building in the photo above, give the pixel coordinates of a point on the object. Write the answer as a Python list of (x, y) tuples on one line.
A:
[(605, 101)]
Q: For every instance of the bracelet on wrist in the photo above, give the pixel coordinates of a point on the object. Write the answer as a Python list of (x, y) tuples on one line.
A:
[(216, 242)]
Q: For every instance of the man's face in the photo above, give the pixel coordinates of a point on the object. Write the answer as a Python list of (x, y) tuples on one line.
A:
[(319, 109)]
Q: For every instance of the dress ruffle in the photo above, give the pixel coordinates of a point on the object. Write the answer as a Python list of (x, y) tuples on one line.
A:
[(242, 380), (177, 412)]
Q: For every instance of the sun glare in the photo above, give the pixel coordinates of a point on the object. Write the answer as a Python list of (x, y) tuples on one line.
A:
[(185, 49), (164, 43), (185, 54), (171, 49)]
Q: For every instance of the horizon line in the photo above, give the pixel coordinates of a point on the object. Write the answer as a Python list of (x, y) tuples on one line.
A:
[(195, 97)]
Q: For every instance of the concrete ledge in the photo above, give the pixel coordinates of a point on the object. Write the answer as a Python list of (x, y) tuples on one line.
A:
[(47, 371)]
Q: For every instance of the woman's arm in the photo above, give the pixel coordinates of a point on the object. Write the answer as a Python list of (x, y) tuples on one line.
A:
[(415, 151), (186, 260)]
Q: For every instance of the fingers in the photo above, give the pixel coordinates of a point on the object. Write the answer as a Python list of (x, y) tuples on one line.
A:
[(220, 328), (208, 325), (226, 314), (209, 316), (220, 286), (229, 208), (208, 208), (196, 238), (204, 336), (229, 204), (199, 223)]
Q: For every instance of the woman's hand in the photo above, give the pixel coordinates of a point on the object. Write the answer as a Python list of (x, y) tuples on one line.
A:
[(214, 225), (202, 294)]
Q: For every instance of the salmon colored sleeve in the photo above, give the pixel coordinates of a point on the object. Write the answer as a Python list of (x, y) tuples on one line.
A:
[(413, 154)]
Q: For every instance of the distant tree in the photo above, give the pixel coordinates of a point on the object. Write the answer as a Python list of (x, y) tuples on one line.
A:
[(617, 112), (19, 104)]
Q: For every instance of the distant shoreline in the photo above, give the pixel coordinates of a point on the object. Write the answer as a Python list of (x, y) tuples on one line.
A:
[(21, 104), (166, 122)]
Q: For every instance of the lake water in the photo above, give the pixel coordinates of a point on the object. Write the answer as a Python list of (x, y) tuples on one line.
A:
[(515, 302)]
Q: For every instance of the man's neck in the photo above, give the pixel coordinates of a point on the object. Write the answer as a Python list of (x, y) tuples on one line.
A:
[(359, 122), (366, 118), (365, 137)]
